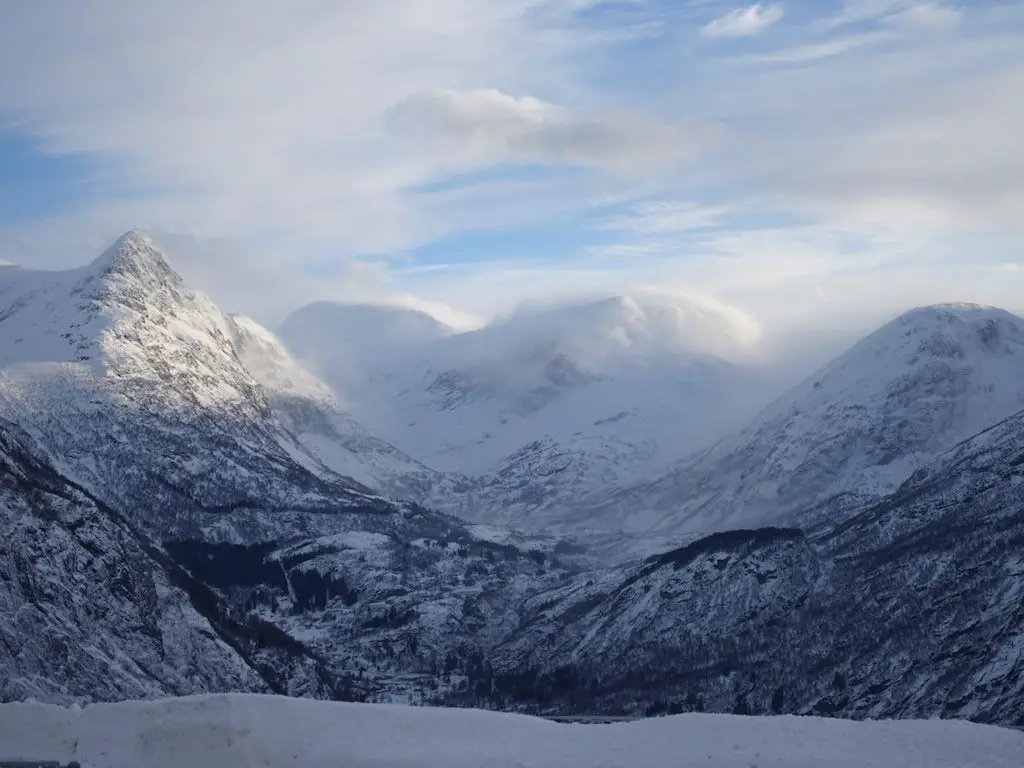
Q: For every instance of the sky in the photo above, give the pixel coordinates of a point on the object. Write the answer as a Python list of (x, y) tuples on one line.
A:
[(814, 163)]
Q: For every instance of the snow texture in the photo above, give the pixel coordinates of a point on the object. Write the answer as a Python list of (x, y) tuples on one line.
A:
[(232, 499), (220, 731), (548, 406), (846, 437), (92, 609)]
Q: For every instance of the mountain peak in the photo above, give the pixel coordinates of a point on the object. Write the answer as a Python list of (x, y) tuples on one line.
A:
[(134, 254), (133, 273), (952, 331), (948, 312)]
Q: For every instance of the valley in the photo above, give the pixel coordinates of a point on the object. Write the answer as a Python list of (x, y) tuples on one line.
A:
[(604, 508)]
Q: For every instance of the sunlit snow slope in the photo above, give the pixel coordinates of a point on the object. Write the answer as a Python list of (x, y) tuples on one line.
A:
[(199, 430), (549, 405), (848, 435), (119, 360)]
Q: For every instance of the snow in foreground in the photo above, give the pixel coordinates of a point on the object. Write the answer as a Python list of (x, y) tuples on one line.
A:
[(246, 730)]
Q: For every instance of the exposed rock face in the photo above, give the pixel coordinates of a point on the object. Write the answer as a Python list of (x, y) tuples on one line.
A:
[(910, 608), (92, 609)]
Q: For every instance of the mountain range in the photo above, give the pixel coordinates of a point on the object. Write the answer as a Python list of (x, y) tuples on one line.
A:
[(573, 509), (549, 405), (846, 437)]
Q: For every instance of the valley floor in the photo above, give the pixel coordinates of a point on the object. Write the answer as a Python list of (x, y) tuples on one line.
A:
[(249, 730)]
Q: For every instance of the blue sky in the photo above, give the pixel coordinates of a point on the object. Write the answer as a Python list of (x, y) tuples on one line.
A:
[(36, 185), (792, 158)]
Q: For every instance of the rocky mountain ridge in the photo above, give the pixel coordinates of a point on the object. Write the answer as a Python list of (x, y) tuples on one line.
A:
[(148, 404), (165, 446), (848, 436), (95, 610), (909, 608)]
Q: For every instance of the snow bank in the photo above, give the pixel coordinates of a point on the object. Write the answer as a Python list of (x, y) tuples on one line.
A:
[(247, 730)]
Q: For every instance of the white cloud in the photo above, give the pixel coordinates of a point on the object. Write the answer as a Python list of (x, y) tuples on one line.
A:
[(789, 279), (947, 162), (237, 279), (490, 127), (307, 134), (233, 118), (907, 13), (802, 54), (667, 216), (927, 16), (859, 11), (744, 22)]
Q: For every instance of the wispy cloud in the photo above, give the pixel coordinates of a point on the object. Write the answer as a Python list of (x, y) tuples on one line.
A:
[(927, 16), (744, 22), (490, 127), (920, 14), (666, 216), (506, 149), (800, 54), (232, 117)]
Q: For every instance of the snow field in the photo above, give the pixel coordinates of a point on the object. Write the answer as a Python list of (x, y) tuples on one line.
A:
[(224, 731)]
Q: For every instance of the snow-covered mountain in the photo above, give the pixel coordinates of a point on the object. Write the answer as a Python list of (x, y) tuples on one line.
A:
[(90, 608), (850, 434), (310, 411), (159, 485), (119, 359), (911, 607), (349, 343), (552, 403), (197, 427)]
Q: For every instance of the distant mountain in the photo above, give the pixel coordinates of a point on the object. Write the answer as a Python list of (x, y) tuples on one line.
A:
[(347, 344), (849, 435), (185, 507), (909, 608), (534, 412), (310, 411), (119, 360)]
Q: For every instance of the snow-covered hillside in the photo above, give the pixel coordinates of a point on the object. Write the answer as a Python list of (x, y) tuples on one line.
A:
[(191, 424), (550, 404), (911, 607), (90, 608), (850, 434), (310, 411), (172, 450), (217, 731), (119, 359)]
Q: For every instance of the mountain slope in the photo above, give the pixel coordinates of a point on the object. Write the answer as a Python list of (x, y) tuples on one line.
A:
[(92, 610), (118, 361), (151, 398), (851, 433), (533, 412), (191, 422), (310, 411), (471, 400), (909, 608)]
